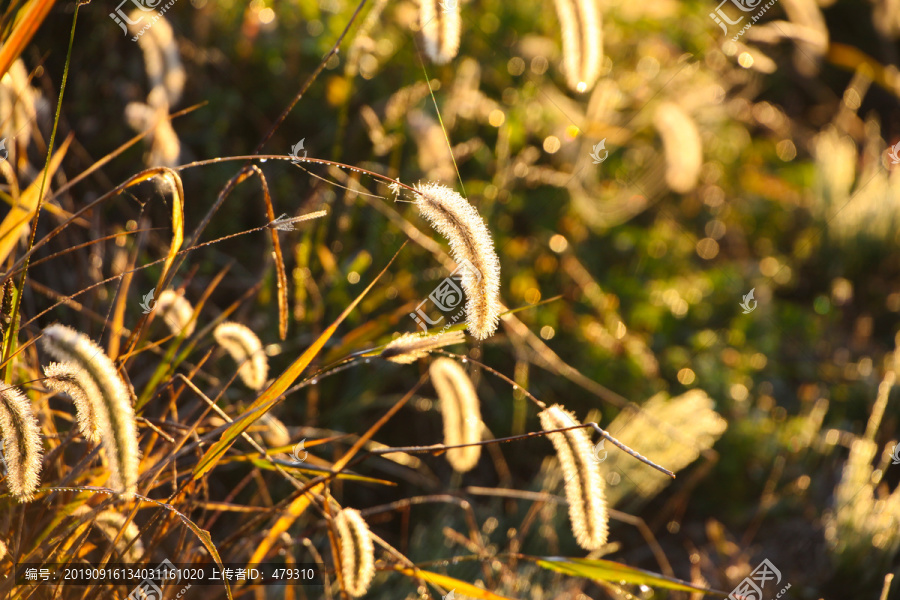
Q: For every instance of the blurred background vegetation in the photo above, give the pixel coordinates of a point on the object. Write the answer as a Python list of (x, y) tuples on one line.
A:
[(796, 198)]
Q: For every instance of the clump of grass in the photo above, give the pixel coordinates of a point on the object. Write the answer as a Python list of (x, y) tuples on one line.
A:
[(111, 407), (584, 485), (410, 347), (460, 410), (357, 552), (21, 443), (472, 248), (246, 350), (69, 378)]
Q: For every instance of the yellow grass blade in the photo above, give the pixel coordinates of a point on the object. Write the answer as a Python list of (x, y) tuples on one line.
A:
[(19, 217), (451, 583), (29, 20)]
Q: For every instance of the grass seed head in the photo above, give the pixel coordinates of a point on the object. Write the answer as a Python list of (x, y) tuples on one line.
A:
[(584, 485), (357, 552), (69, 378), (410, 347), (460, 410), (246, 350), (473, 250), (112, 407), (21, 443)]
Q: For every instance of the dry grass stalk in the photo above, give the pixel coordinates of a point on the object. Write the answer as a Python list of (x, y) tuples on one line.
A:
[(410, 347), (111, 407), (21, 443), (461, 412), (682, 144), (582, 35), (357, 552), (584, 485), (246, 350), (473, 250), (69, 378), (176, 311), (440, 25)]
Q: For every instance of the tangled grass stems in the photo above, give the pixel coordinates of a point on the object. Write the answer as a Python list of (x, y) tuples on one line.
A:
[(112, 407)]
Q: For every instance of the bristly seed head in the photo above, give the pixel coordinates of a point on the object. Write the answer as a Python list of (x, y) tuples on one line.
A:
[(111, 407), (472, 249), (584, 485), (246, 350), (21, 443), (69, 378), (460, 410), (176, 311), (440, 25), (410, 347), (357, 552)]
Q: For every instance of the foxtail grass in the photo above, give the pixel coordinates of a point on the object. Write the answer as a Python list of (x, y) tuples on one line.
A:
[(460, 410), (176, 311), (581, 23), (357, 552), (21, 443), (473, 250), (69, 378), (440, 24), (111, 407), (410, 347), (584, 485), (246, 350), (682, 145)]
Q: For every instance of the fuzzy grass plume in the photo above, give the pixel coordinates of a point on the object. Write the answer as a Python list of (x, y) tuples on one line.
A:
[(462, 415), (111, 407), (440, 25), (176, 311), (682, 144), (129, 547), (21, 443), (410, 347), (246, 350), (473, 250), (584, 485), (581, 23), (69, 378), (357, 552)]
